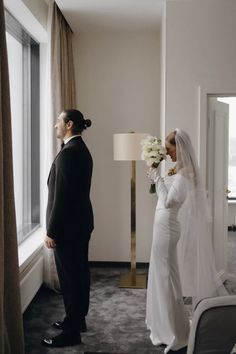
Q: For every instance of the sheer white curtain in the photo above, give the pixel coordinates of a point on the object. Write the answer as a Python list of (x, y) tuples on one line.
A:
[(60, 95)]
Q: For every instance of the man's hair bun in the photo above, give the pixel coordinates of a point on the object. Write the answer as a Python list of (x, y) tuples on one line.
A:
[(87, 123)]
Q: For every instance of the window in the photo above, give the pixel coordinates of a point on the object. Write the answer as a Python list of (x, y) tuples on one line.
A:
[(23, 62), (231, 101)]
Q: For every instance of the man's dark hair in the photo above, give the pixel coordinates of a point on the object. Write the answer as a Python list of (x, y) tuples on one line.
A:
[(79, 123)]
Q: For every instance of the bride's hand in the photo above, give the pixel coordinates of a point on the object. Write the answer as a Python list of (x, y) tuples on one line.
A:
[(152, 173), (155, 164)]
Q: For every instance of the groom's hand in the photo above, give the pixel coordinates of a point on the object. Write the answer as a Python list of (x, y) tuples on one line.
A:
[(49, 242)]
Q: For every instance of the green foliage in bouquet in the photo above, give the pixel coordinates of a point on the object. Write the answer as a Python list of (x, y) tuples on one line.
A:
[(152, 188)]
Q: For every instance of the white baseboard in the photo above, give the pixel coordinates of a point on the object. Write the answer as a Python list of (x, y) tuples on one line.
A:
[(31, 280)]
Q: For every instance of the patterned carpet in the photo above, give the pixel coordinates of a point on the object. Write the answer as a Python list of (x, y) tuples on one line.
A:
[(116, 320)]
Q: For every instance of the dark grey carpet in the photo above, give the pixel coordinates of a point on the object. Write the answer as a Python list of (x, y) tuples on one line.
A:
[(116, 320)]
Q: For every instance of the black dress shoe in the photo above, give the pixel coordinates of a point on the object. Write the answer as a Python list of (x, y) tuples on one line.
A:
[(180, 351), (58, 325), (61, 325), (62, 340)]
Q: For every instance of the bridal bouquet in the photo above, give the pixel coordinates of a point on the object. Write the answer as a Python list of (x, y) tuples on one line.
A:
[(153, 153)]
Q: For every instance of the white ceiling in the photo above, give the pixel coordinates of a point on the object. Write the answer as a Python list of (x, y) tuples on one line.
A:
[(112, 15)]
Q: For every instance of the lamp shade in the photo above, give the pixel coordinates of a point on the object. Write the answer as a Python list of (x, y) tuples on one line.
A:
[(127, 147)]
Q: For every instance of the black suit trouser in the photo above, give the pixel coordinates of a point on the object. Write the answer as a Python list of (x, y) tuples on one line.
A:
[(74, 277)]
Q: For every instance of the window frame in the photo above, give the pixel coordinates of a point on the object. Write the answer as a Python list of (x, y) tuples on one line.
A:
[(31, 126)]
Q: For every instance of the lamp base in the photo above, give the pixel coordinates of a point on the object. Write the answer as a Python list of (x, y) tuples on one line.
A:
[(135, 281)]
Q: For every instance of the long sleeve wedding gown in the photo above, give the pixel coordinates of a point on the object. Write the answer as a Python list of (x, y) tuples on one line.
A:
[(166, 316)]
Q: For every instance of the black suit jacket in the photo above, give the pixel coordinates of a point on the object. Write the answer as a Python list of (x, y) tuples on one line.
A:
[(69, 210)]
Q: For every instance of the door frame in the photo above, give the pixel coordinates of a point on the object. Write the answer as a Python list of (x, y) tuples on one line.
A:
[(204, 91)]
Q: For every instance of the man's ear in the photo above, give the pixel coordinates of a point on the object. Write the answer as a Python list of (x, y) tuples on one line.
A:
[(69, 124)]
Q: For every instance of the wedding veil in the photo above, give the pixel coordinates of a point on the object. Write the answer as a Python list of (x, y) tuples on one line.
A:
[(198, 272)]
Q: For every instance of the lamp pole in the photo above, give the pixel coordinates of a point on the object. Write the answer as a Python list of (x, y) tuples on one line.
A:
[(133, 223), (127, 148)]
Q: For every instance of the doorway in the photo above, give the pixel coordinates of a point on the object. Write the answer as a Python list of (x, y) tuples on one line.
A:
[(221, 171)]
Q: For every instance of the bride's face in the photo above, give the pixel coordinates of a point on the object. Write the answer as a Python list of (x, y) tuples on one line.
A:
[(171, 150)]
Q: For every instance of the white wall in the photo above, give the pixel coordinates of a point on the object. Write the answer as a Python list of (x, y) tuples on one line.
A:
[(200, 50), (118, 88), (39, 9)]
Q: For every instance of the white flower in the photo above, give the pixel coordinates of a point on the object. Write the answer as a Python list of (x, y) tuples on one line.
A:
[(152, 150)]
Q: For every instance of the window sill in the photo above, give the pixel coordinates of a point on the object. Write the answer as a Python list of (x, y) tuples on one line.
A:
[(29, 248)]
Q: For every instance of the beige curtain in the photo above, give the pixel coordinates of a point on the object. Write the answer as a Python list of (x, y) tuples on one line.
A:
[(61, 95), (62, 65), (11, 329)]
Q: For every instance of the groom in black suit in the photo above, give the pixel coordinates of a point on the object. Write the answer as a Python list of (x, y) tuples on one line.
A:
[(69, 225)]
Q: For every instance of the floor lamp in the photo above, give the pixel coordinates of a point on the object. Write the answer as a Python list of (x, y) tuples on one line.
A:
[(127, 147)]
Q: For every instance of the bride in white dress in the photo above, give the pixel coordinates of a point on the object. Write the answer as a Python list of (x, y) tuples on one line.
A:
[(166, 316)]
